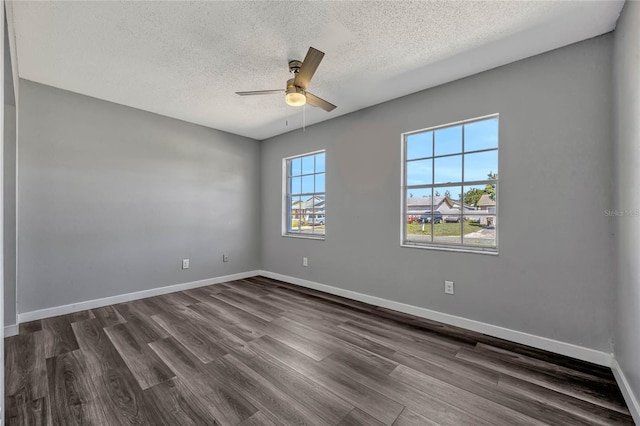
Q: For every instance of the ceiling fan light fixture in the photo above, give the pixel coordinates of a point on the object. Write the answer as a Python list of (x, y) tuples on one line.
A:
[(295, 99)]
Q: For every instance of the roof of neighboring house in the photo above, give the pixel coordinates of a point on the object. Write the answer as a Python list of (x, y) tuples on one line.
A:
[(425, 201), (486, 201), (316, 201)]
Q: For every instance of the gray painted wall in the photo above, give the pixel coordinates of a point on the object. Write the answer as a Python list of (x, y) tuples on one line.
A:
[(9, 215), (111, 198), (627, 178), (552, 277)]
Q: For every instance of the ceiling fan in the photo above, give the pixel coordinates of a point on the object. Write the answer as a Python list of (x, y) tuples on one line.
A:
[(296, 91)]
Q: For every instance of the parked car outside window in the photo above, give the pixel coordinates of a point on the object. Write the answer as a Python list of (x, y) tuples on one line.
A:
[(426, 218)]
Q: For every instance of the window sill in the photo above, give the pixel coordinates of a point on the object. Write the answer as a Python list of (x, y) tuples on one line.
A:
[(305, 236), (491, 252)]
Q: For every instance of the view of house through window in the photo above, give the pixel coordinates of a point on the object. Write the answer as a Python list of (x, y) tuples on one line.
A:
[(451, 185), (305, 191)]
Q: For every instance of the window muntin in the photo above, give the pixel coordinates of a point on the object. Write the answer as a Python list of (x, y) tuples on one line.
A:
[(450, 186), (304, 212)]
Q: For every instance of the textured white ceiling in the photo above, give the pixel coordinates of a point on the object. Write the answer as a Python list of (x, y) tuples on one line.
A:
[(186, 59)]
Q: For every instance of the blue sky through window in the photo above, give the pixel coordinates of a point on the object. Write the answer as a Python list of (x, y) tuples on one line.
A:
[(423, 169)]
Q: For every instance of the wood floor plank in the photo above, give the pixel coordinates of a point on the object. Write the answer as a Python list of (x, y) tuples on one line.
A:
[(259, 419), (429, 405), (174, 404), (587, 412), (467, 401), (492, 392), (30, 327), (108, 316), (358, 417), (59, 337), (399, 342), (330, 327), (203, 294), (310, 394), (218, 332), (256, 307), (541, 365), (329, 343), (79, 316), (270, 400), (71, 391), (409, 418), (20, 409), (99, 352), (379, 406), (606, 395), (25, 366), (305, 345), (121, 399), (139, 317), (226, 405), (246, 330), (146, 367), (196, 340), (178, 298), (562, 360), (447, 369)]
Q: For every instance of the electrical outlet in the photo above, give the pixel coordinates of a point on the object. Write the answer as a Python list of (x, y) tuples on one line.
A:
[(448, 287), (305, 261), (225, 257), (185, 263)]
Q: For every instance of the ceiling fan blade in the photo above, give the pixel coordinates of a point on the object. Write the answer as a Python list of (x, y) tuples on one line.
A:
[(261, 92), (308, 68), (319, 102)]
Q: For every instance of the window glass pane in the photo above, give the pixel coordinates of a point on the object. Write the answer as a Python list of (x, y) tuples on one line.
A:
[(473, 194), (295, 167), (446, 200), (419, 172), (449, 232), (480, 166), (448, 140), (295, 186), (320, 158), (419, 145), (308, 164), (418, 202), (319, 182), (481, 135), (448, 169), (307, 184), (480, 230), (418, 232)]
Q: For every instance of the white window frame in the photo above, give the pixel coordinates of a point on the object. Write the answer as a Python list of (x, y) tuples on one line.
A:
[(285, 197), (434, 245)]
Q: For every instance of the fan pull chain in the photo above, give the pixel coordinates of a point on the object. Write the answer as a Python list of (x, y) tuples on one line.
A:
[(304, 117)]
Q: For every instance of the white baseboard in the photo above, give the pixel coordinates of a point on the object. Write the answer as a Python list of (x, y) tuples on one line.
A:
[(105, 301), (10, 330), (629, 397), (568, 349)]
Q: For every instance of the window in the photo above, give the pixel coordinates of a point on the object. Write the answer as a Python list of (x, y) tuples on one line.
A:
[(304, 212), (450, 186)]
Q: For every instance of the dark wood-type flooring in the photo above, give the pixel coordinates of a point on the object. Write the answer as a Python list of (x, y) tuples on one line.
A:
[(263, 352)]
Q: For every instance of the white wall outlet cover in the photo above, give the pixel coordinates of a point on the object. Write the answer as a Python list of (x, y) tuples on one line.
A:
[(185, 263), (448, 287)]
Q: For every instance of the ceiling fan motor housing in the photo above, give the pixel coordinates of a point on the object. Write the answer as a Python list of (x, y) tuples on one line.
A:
[(294, 67)]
